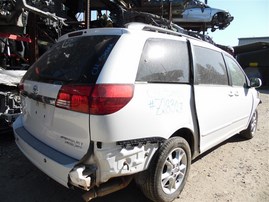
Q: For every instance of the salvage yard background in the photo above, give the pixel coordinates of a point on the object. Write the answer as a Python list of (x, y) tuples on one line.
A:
[(237, 170)]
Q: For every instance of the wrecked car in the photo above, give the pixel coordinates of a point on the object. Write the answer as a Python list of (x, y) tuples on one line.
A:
[(199, 16), (10, 102)]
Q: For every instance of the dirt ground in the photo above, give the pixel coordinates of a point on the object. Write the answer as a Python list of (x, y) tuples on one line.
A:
[(236, 170)]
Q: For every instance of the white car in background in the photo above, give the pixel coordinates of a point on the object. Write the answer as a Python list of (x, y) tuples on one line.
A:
[(197, 15), (10, 100)]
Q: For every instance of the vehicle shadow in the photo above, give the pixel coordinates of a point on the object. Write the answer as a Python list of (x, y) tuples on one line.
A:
[(234, 139), (6, 136), (264, 90), (131, 194)]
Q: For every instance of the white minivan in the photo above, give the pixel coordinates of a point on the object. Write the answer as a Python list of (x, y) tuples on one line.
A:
[(106, 105)]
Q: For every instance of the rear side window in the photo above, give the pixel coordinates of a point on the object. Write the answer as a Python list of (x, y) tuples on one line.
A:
[(209, 67), (74, 60), (165, 61)]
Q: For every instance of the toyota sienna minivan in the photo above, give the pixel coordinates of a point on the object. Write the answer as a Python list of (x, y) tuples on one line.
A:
[(107, 105)]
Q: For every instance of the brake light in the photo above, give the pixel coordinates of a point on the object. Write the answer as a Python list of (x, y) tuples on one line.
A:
[(101, 99), (75, 98), (109, 98)]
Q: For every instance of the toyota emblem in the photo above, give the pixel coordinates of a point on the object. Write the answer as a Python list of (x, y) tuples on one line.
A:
[(35, 89)]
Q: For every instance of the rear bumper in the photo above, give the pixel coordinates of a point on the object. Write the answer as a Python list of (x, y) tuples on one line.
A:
[(55, 164)]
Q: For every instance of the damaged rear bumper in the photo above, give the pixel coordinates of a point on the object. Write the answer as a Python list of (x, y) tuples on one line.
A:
[(111, 169)]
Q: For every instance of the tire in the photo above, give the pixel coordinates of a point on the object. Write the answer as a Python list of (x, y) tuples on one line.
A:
[(166, 176), (249, 133)]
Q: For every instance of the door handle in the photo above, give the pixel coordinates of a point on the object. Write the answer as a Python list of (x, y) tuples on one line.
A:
[(231, 94), (236, 93)]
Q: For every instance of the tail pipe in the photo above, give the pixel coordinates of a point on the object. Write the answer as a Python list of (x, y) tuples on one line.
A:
[(108, 188)]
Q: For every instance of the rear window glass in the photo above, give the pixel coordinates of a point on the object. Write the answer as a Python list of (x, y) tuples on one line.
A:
[(164, 60), (75, 60)]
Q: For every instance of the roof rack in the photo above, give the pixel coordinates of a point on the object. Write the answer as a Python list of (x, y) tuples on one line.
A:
[(146, 27), (173, 29)]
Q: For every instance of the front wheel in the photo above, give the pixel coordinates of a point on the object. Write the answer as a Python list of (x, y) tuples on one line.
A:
[(252, 127), (167, 174)]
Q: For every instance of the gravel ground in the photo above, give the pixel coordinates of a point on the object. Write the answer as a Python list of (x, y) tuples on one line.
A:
[(237, 170)]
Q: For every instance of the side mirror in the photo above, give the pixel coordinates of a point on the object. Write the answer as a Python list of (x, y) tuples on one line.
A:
[(255, 82)]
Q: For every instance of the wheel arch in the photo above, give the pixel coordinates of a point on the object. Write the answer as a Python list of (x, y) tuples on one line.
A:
[(191, 138), (219, 18)]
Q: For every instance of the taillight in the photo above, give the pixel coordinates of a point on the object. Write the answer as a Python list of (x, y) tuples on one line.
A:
[(100, 99), (75, 98), (109, 98)]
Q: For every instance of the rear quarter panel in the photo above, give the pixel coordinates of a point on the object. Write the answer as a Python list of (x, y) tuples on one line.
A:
[(156, 110)]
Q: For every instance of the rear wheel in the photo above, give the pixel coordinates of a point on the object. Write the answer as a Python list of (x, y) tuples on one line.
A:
[(252, 127), (167, 174)]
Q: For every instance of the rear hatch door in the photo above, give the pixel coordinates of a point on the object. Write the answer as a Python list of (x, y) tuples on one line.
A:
[(71, 67)]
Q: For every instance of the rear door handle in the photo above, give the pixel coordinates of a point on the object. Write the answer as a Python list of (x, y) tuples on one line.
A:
[(236, 93), (231, 94)]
